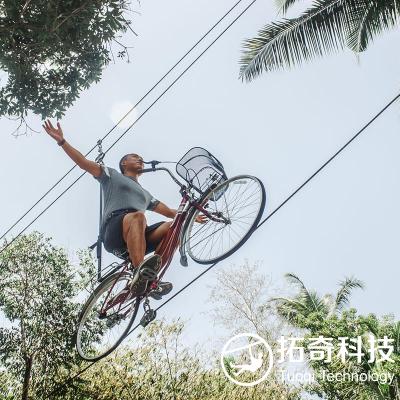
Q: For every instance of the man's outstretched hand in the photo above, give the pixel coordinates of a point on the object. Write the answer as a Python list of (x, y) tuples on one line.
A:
[(56, 133), (78, 158)]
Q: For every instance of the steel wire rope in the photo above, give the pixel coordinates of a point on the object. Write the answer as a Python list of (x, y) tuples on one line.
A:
[(272, 213), (286, 200), (115, 126), (130, 127), (119, 138)]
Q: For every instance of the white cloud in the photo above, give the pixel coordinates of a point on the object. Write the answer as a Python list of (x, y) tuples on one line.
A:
[(118, 110)]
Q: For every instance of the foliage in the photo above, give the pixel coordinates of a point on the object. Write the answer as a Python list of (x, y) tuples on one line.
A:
[(308, 301), (351, 325), (327, 26), (52, 50), (158, 366), (240, 304), (6, 385), (325, 316), (38, 297), (239, 298)]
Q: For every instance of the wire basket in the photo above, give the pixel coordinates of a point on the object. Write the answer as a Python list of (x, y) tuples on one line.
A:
[(201, 170)]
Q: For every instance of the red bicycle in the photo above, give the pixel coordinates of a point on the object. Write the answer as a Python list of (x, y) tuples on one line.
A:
[(233, 208)]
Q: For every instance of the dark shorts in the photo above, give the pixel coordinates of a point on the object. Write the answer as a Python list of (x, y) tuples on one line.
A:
[(113, 239)]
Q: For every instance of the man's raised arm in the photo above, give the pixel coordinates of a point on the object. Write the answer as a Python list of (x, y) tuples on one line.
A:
[(79, 159)]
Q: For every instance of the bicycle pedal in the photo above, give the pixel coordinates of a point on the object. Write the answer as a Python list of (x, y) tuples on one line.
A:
[(148, 316), (148, 273)]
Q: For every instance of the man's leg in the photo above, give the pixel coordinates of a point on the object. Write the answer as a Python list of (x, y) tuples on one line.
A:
[(155, 237), (133, 229)]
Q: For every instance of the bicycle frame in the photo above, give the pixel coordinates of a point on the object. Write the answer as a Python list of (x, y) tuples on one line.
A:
[(199, 217), (174, 238), (171, 240)]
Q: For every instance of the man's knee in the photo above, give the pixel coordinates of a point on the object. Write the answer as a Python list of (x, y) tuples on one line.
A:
[(158, 234), (136, 220), (164, 228), (167, 225)]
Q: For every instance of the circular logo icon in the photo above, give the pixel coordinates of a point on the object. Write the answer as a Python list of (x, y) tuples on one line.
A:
[(247, 359)]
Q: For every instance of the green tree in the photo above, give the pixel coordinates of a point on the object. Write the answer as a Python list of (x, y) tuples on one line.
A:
[(349, 324), (38, 296), (157, 365), (307, 301), (328, 25), (52, 50), (239, 299), (325, 316), (7, 383)]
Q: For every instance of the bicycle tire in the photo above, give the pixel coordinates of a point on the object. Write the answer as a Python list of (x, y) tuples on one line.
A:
[(100, 289), (188, 236)]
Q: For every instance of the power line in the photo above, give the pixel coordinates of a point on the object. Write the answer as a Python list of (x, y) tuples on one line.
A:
[(259, 225), (137, 120), (288, 198), (115, 126), (180, 76), (120, 137)]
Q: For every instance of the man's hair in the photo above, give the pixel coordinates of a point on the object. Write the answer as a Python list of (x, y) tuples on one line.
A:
[(121, 167)]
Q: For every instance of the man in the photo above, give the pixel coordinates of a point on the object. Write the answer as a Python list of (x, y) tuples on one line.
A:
[(124, 225)]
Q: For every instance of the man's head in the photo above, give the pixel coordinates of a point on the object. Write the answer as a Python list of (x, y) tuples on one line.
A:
[(131, 163)]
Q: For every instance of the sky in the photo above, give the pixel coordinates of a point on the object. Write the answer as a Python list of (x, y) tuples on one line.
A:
[(280, 128)]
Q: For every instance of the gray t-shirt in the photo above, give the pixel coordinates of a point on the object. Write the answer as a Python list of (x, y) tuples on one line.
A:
[(122, 192)]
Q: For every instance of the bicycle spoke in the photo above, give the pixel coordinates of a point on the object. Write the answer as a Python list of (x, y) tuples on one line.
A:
[(253, 199), (248, 215), (203, 233), (241, 204), (206, 237), (111, 325), (241, 196)]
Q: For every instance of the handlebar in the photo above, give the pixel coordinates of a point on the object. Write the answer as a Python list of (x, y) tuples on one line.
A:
[(153, 164), (154, 169), (147, 170)]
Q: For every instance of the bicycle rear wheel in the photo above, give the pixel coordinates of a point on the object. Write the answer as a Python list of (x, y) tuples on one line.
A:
[(106, 318), (240, 202)]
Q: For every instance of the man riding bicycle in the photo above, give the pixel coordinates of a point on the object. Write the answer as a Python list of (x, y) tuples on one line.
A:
[(124, 230)]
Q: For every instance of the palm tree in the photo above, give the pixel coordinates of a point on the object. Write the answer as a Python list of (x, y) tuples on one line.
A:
[(327, 26), (306, 302)]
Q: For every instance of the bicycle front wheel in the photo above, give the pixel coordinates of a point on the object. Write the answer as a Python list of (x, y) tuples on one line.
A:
[(237, 205), (106, 317)]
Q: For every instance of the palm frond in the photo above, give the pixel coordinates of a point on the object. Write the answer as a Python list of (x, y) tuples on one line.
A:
[(319, 30), (294, 279), (316, 303), (289, 309), (309, 299), (346, 287), (376, 17), (288, 302), (329, 303), (284, 5)]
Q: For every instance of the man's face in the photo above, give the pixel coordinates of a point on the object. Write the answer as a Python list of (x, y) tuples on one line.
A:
[(134, 162)]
